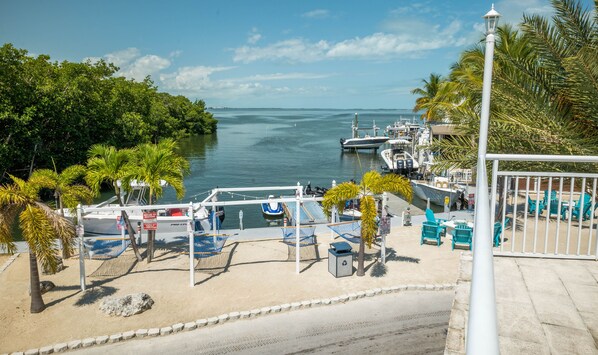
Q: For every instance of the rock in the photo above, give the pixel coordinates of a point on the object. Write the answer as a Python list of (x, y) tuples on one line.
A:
[(59, 267), (46, 286), (128, 305)]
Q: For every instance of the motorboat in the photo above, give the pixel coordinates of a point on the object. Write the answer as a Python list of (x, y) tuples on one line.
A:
[(398, 161), (272, 209), (363, 142), (438, 190), (169, 221)]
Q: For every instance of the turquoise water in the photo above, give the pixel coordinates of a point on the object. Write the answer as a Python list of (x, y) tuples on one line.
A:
[(277, 147)]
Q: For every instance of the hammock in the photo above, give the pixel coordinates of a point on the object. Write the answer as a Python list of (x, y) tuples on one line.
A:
[(306, 235), (351, 231), (208, 245), (106, 248)]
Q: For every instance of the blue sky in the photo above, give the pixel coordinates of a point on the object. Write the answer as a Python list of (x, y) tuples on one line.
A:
[(289, 54)]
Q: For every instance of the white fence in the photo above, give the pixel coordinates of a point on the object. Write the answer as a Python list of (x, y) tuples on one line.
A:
[(545, 214)]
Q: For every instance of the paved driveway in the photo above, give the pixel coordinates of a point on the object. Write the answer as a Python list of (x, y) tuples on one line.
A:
[(411, 322)]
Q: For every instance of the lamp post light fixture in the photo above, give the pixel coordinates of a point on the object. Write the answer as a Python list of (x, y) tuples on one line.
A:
[(482, 329)]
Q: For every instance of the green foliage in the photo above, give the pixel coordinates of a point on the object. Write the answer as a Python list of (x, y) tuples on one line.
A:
[(371, 183), (51, 110), (544, 92)]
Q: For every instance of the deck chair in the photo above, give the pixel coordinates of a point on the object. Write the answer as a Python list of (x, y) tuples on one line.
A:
[(462, 235), (430, 218), (431, 231), (531, 205), (583, 204), (498, 229)]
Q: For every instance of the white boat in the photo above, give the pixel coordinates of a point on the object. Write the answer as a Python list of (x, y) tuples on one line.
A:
[(437, 190), (398, 161), (272, 209), (365, 142), (170, 221)]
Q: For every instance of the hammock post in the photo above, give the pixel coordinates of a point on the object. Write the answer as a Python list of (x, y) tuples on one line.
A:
[(214, 199), (383, 235), (190, 230), (80, 232), (297, 228), (333, 214)]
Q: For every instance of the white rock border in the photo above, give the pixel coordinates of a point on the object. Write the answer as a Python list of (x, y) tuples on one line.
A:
[(227, 317)]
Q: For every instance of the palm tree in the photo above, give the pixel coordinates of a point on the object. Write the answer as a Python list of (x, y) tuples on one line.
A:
[(544, 93), (67, 193), (109, 165), (39, 225), (425, 101), (372, 183), (156, 164)]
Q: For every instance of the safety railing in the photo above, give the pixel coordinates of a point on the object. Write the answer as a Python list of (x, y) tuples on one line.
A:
[(544, 214)]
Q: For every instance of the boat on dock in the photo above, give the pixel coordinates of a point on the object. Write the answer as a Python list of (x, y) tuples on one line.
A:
[(363, 142), (398, 161)]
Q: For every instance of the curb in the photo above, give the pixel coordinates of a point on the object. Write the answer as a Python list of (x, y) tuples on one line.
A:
[(8, 262), (230, 317), (457, 329)]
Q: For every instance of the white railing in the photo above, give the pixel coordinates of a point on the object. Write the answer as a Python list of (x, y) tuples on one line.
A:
[(551, 214)]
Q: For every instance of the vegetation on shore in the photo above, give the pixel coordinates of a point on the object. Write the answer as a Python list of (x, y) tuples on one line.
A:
[(544, 92), (58, 110)]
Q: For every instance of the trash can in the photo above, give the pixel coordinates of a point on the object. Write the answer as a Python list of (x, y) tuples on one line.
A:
[(340, 259)]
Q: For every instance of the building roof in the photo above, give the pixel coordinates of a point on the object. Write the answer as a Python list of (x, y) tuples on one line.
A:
[(445, 129)]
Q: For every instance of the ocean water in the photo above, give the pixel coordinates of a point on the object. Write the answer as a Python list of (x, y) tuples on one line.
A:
[(277, 147)]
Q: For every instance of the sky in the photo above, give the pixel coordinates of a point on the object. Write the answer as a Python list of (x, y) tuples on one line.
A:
[(252, 54)]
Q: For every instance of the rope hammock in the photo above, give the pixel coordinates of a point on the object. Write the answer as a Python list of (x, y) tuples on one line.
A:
[(208, 245), (106, 248), (306, 235), (351, 231)]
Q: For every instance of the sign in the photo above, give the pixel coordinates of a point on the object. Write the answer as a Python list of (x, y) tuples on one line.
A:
[(120, 223), (385, 225), (150, 220)]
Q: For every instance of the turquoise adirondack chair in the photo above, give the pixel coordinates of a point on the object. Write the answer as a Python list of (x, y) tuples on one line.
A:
[(531, 206), (430, 218), (462, 235), (498, 228), (584, 207), (431, 231)]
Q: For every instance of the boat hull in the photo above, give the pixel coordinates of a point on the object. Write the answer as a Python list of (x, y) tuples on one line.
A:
[(363, 143), (434, 193)]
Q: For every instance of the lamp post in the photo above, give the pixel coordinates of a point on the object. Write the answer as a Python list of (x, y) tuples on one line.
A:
[(482, 329)]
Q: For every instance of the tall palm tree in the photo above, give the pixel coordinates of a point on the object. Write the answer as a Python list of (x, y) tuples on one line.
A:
[(39, 225), (107, 164), (68, 194), (371, 184), (425, 101), (155, 164), (544, 93)]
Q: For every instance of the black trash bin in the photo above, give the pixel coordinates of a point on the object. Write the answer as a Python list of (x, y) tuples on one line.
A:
[(340, 259)]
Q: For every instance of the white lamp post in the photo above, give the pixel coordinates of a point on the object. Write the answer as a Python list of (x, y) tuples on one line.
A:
[(482, 330)]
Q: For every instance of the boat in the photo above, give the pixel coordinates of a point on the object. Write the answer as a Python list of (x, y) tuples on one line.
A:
[(398, 161), (272, 209), (170, 220), (365, 142), (437, 190)]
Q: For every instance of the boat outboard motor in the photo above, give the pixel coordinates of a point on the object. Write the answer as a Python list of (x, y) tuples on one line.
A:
[(400, 166)]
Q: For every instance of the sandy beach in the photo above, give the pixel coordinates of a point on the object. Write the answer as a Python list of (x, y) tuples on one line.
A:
[(247, 275)]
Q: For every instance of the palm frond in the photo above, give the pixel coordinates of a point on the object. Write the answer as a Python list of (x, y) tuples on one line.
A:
[(338, 195), (39, 235)]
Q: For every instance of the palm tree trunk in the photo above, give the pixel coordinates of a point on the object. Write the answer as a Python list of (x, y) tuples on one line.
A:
[(37, 302), (361, 259), (130, 230)]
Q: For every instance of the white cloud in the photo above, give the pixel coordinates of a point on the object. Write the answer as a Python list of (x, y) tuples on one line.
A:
[(134, 66), (254, 36), (144, 66), (191, 78), (409, 40), (286, 76), (317, 14)]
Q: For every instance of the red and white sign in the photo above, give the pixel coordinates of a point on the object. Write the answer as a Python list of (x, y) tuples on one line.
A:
[(150, 220)]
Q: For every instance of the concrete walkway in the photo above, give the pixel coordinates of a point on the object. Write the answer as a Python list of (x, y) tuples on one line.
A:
[(544, 306)]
